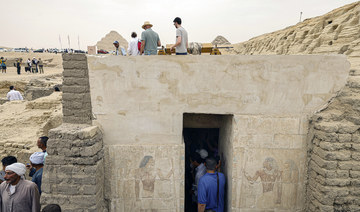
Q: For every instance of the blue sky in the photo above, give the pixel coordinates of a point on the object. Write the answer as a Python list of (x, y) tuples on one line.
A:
[(38, 23)]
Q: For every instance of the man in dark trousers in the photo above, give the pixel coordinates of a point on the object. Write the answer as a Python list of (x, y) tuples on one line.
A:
[(211, 188)]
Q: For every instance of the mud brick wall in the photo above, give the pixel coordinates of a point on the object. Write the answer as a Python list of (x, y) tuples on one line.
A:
[(76, 92), (74, 172), (334, 152)]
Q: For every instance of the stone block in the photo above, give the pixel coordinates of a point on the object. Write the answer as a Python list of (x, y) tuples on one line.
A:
[(76, 73), (74, 57), (356, 147), (75, 89), (354, 174), (89, 132), (345, 138), (327, 127), (77, 120), (355, 138), (355, 156), (330, 165), (330, 146), (70, 81), (89, 189), (324, 136), (346, 165), (72, 64)]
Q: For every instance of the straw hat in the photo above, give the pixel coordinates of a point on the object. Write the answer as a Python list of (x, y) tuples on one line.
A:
[(146, 23)]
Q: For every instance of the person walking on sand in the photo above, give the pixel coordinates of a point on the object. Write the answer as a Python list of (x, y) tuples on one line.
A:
[(133, 48), (149, 40), (181, 44)]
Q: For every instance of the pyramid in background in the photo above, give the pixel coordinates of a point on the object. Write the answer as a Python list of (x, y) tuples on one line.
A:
[(106, 43)]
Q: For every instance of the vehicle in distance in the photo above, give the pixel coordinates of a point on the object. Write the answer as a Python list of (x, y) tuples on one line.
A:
[(102, 51), (79, 51), (20, 50), (38, 51)]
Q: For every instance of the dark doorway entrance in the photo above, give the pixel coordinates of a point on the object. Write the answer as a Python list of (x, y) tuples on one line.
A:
[(205, 135)]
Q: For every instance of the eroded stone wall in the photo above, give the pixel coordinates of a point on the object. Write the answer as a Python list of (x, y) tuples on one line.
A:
[(74, 173), (334, 152)]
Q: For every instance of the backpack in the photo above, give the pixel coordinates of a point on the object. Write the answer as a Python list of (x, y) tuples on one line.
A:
[(139, 45)]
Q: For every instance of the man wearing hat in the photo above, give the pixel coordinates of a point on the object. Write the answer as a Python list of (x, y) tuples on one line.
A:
[(117, 47), (17, 194), (149, 40)]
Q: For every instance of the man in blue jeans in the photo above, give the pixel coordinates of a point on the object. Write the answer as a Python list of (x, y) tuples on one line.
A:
[(149, 40), (211, 188)]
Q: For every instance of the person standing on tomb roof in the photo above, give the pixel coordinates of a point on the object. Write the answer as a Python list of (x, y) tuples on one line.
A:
[(14, 94), (118, 49), (18, 194), (211, 188), (37, 162), (6, 161), (149, 40), (181, 44), (133, 48)]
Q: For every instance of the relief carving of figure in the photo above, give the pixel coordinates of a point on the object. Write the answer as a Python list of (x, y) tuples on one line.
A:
[(290, 179), (270, 177), (147, 175)]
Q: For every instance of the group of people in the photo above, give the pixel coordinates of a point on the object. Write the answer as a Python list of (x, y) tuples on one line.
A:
[(33, 66), (204, 180), (18, 194), (150, 40)]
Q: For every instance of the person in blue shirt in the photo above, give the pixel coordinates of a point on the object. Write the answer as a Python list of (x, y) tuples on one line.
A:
[(211, 188)]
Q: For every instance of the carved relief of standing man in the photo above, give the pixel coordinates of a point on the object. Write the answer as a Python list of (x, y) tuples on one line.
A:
[(270, 177)]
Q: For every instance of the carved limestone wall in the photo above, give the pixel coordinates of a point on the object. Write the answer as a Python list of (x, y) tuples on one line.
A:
[(140, 102)]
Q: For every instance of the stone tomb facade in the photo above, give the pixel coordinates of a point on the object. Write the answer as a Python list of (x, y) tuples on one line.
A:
[(124, 119)]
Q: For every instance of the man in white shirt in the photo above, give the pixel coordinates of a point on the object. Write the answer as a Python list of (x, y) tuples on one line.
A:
[(13, 94), (133, 48), (200, 170)]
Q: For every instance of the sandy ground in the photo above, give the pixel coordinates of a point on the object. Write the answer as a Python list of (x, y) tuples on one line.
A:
[(22, 122), (11, 74)]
